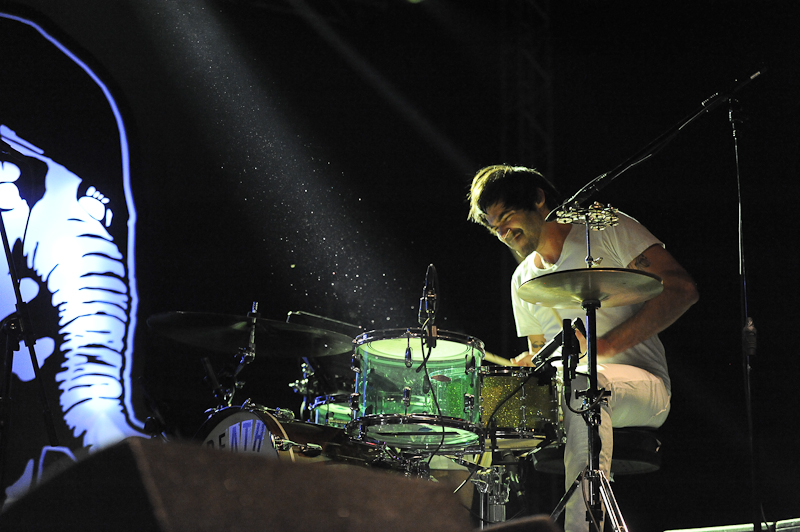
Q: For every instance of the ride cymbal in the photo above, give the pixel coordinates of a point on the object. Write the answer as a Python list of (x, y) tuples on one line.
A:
[(612, 287)]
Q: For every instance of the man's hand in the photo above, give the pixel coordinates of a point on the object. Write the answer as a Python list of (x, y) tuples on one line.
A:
[(524, 359), (535, 343)]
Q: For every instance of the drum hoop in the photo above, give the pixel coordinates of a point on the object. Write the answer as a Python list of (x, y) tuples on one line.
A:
[(354, 428), (416, 419), (496, 371), (335, 398), (417, 333)]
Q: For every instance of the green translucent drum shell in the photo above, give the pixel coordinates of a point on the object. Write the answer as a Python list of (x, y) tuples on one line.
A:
[(531, 407), (434, 401)]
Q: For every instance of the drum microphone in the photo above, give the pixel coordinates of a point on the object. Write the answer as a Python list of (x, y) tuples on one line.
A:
[(542, 356), (428, 306)]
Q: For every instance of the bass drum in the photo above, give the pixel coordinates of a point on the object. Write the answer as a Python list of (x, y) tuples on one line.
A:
[(252, 429)]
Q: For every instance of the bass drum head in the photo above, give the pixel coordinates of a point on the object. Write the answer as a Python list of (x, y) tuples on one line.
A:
[(239, 430), (255, 430)]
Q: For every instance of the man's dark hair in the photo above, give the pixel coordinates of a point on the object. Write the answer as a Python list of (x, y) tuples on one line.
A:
[(516, 187)]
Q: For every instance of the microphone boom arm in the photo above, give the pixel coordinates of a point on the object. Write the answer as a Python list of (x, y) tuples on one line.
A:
[(598, 183)]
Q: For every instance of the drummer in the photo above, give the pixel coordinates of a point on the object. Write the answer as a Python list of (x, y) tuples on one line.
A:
[(513, 202)]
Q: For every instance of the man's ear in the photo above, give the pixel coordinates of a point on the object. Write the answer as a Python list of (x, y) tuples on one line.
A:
[(540, 199)]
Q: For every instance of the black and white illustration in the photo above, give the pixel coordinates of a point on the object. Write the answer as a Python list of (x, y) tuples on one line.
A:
[(72, 240)]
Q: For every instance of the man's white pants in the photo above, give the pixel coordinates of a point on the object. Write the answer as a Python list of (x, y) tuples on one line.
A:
[(638, 399)]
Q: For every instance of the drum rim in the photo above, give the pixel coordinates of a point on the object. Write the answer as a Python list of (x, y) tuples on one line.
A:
[(353, 430), (505, 370), (416, 332), (331, 398), (222, 413)]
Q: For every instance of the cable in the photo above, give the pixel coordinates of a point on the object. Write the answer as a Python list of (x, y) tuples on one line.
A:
[(424, 365)]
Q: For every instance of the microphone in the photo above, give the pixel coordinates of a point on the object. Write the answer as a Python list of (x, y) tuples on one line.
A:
[(428, 305), (543, 355)]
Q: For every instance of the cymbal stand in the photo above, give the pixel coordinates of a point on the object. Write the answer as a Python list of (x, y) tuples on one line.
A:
[(599, 486), (225, 392), (248, 353)]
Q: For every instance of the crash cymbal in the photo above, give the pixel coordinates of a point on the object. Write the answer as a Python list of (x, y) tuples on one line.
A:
[(612, 287), (223, 333)]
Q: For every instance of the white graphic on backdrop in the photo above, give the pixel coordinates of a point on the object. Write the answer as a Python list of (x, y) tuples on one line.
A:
[(73, 236), (66, 244)]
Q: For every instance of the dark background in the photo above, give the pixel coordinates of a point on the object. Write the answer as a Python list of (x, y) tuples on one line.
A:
[(316, 159)]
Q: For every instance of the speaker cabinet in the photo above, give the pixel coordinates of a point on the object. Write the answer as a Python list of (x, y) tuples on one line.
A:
[(143, 485)]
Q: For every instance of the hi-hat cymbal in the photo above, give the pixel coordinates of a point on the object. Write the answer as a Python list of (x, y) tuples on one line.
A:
[(225, 334), (612, 287)]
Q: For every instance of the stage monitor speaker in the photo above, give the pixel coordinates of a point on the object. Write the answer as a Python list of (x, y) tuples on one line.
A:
[(533, 523), (790, 525), (144, 485)]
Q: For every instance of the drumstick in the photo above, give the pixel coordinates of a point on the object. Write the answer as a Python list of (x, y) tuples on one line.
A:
[(490, 357)]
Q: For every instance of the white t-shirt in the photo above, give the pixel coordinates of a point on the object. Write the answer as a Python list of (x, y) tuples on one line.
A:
[(617, 246)]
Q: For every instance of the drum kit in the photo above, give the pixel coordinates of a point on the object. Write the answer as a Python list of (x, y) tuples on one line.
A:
[(414, 396)]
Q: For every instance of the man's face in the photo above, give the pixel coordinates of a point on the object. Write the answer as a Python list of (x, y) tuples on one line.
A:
[(519, 229)]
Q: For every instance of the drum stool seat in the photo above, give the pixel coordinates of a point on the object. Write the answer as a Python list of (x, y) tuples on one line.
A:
[(636, 450)]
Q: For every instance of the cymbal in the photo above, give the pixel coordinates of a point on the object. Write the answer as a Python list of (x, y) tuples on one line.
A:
[(223, 333), (612, 287)]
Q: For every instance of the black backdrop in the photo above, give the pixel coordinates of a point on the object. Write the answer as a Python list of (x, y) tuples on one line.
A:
[(320, 164)]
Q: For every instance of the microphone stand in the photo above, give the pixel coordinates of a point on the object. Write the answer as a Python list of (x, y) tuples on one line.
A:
[(566, 212), (17, 328), (749, 335)]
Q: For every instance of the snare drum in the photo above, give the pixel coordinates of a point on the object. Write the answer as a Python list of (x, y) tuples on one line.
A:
[(521, 404), (408, 408)]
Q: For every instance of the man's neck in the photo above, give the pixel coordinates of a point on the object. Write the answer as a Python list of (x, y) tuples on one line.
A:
[(554, 235)]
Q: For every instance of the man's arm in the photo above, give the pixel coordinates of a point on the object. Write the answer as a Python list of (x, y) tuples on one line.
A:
[(657, 314)]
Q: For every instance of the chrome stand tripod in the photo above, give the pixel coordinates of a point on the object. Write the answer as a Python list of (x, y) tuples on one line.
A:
[(599, 486)]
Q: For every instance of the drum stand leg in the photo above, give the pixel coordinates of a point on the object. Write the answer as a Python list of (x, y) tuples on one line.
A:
[(599, 492)]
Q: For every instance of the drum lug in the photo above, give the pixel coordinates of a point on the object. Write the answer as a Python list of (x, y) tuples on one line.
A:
[(354, 400), (524, 420), (407, 397), (469, 402), (355, 362), (470, 365)]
